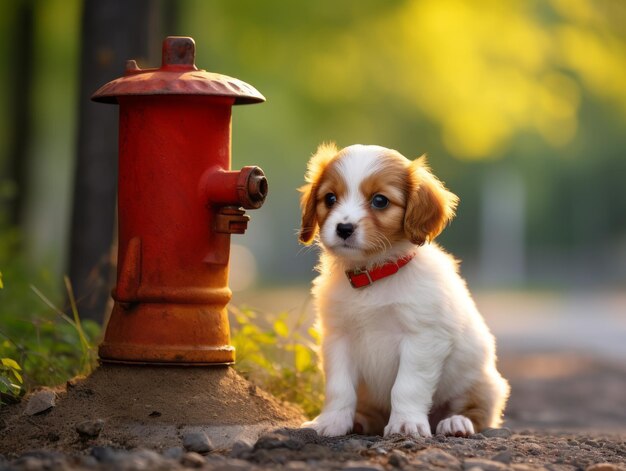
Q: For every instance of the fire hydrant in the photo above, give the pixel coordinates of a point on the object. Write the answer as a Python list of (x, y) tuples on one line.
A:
[(178, 204)]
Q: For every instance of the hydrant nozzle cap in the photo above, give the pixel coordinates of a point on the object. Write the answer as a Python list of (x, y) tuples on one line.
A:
[(178, 75)]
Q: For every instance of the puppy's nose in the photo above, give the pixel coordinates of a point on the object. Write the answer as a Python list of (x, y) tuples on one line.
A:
[(345, 230)]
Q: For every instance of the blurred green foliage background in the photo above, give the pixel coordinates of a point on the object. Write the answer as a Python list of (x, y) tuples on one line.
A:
[(520, 105)]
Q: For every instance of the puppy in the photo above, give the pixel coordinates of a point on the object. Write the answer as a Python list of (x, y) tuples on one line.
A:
[(404, 348)]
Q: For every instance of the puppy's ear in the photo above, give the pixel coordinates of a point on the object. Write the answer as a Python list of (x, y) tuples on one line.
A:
[(430, 205), (308, 201)]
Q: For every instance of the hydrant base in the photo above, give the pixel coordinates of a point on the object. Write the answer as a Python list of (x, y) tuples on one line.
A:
[(168, 333), (167, 355)]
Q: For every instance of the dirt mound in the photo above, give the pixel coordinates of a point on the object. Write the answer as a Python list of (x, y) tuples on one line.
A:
[(147, 407)]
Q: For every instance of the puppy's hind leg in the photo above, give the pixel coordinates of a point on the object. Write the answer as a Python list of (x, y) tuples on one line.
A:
[(369, 418), (480, 407)]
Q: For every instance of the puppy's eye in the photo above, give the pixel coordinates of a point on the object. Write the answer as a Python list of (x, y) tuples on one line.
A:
[(330, 199), (380, 202)]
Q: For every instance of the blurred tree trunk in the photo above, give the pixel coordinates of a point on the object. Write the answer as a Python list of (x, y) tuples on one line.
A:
[(112, 32), (21, 105)]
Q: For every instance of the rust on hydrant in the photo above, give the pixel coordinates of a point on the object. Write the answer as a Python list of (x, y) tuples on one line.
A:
[(178, 204)]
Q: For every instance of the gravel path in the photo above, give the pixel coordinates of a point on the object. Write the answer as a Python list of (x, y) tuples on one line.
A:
[(292, 449), (567, 412)]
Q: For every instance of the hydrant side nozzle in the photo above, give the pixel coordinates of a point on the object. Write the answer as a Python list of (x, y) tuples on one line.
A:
[(252, 187), (246, 187)]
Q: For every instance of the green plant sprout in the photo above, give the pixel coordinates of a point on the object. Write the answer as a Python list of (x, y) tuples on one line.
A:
[(10, 381), (39, 349), (88, 357), (277, 352), (278, 356), (10, 378)]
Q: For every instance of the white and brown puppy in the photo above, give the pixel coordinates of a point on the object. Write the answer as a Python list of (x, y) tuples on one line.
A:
[(404, 348)]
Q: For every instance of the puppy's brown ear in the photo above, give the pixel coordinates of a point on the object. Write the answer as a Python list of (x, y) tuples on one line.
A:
[(430, 205), (308, 201)]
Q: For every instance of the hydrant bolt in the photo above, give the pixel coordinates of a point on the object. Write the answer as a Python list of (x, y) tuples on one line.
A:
[(179, 51)]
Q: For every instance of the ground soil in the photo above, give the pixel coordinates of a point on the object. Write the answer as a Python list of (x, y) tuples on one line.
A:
[(565, 391), (148, 407), (567, 411)]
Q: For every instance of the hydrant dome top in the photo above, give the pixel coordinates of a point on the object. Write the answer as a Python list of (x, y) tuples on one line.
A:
[(178, 75)]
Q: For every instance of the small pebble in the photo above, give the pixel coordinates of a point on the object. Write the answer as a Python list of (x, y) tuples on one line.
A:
[(174, 453), (43, 454), (434, 457), (410, 445), (40, 402), (496, 432), (87, 461), (150, 457), (531, 448), (198, 442), (484, 465), (106, 454), (90, 428), (271, 441), (504, 456), (234, 464), (592, 443), (397, 458), (240, 449), (296, 465), (604, 467), (29, 463), (361, 466), (477, 436), (192, 459), (215, 460), (305, 435), (132, 462), (355, 445)]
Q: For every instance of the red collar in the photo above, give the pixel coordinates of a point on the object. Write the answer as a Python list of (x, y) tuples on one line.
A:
[(360, 277)]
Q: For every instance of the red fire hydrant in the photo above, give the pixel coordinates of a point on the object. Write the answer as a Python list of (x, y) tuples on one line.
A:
[(178, 203)]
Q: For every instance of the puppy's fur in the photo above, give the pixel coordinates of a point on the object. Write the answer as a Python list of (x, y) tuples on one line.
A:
[(409, 353)]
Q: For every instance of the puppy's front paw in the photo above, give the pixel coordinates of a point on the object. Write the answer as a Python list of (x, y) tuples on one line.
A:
[(457, 425), (406, 425), (331, 424)]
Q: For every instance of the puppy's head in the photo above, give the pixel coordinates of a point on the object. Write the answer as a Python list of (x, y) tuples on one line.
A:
[(364, 199)]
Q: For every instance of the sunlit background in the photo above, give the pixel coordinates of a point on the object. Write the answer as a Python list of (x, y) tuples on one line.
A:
[(520, 106)]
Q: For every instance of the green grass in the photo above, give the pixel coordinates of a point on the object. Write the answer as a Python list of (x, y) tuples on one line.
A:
[(278, 353), (42, 344)]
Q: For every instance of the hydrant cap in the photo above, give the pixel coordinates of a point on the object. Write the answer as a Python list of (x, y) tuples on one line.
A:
[(178, 75)]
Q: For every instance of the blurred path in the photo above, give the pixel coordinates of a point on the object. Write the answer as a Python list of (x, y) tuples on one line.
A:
[(592, 322)]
